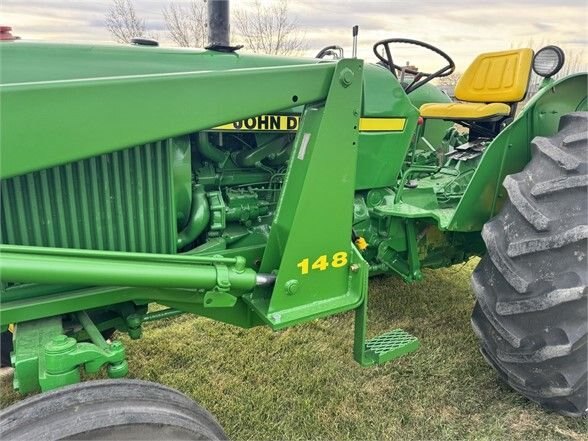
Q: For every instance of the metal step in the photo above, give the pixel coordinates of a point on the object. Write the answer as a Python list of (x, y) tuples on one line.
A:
[(383, 348), (390, 345)]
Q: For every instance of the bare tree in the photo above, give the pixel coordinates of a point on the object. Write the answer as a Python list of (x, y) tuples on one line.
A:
[(450, 80), (122, 21), (268, 29), (447, 84), (187, 24)]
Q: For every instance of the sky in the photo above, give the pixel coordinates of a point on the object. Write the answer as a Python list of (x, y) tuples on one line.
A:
[(459, 27)]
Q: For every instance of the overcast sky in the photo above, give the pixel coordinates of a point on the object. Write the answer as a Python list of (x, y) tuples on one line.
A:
[(461, 28)]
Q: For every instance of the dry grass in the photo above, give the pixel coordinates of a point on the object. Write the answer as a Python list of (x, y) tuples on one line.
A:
[(302, 383)]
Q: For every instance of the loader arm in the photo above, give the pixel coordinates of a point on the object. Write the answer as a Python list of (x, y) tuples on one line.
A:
[(48, 123)]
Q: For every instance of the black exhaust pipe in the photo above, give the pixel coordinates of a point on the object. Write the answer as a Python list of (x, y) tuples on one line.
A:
[(218, 24)]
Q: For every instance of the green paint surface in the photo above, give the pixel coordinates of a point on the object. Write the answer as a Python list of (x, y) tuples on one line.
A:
[(117, 191)]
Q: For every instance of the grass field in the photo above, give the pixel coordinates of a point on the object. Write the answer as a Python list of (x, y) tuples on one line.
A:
[(302, 383)]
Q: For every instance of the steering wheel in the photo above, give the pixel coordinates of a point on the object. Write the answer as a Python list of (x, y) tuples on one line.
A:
[(420, 78)]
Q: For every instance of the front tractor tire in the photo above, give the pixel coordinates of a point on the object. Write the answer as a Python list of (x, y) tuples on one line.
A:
[(109, 409), (531, 305)]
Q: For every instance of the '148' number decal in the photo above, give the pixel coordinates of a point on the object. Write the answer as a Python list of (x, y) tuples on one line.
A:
[(322, 263)]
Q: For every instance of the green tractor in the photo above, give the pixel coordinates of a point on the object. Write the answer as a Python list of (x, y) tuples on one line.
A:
[(265, 191)]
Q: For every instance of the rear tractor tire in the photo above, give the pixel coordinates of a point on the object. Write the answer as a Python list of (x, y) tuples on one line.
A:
[(109, 409), (531, 305)]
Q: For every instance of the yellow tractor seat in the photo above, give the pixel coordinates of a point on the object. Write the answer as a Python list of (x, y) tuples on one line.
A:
[(490, 86), (461, 111)]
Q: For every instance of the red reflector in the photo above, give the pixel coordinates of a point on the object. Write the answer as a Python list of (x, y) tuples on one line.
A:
[(5, 33), (420, 121)]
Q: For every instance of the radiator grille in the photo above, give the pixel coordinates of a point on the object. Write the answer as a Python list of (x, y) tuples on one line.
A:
[(120, 201)]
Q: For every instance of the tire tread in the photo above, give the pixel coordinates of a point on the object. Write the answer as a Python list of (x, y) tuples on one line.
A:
[(531, 305)]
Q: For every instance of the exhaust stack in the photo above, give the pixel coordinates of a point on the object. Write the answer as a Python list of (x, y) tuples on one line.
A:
[(218, 23)]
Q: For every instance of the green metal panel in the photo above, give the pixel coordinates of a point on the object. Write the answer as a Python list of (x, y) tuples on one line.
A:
[(45, 359), (557, 98), (320, 181), (25, 61), (32, 338), (435, 129), (64, 302), (381, 154)]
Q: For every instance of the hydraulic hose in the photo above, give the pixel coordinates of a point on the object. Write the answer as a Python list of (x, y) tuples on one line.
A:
[(199, 217), (209, 150)]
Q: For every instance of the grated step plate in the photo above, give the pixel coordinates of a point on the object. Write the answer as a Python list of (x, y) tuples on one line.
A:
[(391, 345)]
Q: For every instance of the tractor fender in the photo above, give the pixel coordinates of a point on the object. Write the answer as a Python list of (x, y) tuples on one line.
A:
[(510, 151), (554, 99)]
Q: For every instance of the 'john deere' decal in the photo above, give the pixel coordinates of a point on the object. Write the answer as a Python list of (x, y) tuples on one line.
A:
[(289, 123), (266, 123)]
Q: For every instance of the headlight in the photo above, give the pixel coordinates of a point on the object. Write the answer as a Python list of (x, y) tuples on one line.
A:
[(548, 61)]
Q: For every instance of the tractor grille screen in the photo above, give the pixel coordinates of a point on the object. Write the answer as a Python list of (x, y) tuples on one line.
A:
[(119, 202)]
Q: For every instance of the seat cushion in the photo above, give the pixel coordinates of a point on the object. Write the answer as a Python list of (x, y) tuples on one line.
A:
[(464, 111), (496, 77)]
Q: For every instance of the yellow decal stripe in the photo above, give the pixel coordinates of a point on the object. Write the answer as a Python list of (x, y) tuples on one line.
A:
[(381, 124), (289, 123)]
